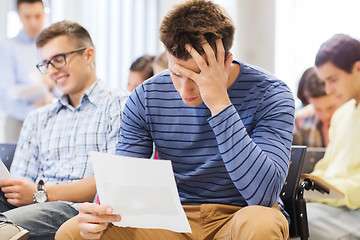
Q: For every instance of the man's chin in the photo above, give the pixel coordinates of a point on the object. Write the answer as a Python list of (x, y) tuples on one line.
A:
[(192, 104)]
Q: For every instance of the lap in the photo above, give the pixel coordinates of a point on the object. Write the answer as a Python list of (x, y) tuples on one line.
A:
[(41, 218), (327, 222), (207, 221)]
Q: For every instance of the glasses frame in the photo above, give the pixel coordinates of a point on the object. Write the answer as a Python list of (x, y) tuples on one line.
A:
[(44, 65)]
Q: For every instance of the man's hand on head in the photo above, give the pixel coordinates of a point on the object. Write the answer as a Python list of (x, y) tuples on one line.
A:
[(213, 77)]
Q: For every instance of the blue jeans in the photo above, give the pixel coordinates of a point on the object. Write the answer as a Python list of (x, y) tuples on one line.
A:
[(332, 223), (42, 220)]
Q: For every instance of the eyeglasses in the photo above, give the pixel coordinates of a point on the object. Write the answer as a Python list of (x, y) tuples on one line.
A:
[(57, 61)]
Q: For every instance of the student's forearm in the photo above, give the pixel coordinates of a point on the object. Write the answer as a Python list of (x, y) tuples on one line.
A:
[(82, 190)]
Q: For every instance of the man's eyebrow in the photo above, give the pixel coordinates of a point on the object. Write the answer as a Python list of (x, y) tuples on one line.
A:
[(331, 77)]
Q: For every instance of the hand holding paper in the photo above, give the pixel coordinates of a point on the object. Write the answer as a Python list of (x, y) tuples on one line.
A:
[(142, 191), (4, 172)]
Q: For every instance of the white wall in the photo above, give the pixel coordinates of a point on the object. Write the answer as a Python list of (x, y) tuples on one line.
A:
[(254, 37)]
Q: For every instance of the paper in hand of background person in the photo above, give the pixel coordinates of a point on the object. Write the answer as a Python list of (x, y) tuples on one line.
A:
[(4, 172), (142, 191)]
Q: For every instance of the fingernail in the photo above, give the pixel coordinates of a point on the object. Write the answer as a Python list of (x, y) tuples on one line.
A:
[(118, 218), (188, 47), (108, 210)]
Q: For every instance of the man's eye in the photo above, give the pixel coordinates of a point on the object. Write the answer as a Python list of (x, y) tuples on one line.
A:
[(58, 59)]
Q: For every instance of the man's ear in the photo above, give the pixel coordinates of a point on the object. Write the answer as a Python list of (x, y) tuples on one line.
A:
[(90, 54), (357, 67)]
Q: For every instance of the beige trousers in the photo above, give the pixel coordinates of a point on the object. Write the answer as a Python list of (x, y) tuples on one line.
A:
[(207, 221)]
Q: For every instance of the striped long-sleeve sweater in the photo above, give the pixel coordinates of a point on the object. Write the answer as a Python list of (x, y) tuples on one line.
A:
[(238, 157)]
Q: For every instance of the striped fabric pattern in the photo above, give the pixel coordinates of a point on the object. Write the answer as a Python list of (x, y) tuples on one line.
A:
[(56, 139), (238, 157)]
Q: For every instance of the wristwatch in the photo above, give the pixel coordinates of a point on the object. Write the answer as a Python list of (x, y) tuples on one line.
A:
[(40, 196)]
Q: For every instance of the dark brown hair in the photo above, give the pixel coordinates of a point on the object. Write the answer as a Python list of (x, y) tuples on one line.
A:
[(18, 2), (188, 22), (76, 33), (161, 60), (143, 64), (341, 50), (312, 86)]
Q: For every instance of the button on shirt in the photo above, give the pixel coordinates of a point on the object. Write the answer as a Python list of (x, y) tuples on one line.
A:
[(56, 139)]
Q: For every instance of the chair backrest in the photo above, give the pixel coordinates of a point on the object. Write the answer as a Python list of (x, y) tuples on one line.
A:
[(289, 191), (7, 151)]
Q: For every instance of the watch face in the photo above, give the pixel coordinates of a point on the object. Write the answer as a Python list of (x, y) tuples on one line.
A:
[(40, 196)]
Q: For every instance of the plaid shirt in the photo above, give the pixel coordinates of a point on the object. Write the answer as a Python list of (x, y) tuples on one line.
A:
[(56, 139), (307, 129)]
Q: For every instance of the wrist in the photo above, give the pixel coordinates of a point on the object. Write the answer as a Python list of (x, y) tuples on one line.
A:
[(219, 107), (40, 195)]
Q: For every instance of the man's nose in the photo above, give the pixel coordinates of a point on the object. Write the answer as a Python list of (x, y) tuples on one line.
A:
[(188, 85), (328, 89)]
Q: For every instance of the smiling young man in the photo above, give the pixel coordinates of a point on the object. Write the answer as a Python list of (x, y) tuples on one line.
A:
[(225, 125), (51, 169), (22, 88), (338, 65)]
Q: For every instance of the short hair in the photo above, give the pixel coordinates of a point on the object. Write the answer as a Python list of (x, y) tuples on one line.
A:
[(18, 2), (341, 50), (188, 22), (161, 60), (76, 33), (312, 86), (143, 64)]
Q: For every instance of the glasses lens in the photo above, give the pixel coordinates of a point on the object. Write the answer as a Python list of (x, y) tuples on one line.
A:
[(58, 61), (42, 68)]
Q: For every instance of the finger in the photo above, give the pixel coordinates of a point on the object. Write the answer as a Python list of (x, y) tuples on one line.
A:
[(95, 208), (92, 230), (200, 61), (210, 54), (9, 189), (185, 72), (14, 201), (89, 231), (11, 195), (220, 51), (98, 218), (6, 182)]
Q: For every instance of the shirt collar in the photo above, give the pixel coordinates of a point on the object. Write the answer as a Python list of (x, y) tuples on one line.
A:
[(91, 95)]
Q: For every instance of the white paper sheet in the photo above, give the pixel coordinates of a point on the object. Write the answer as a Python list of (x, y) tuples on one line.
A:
[(142, 191), (4, 172)]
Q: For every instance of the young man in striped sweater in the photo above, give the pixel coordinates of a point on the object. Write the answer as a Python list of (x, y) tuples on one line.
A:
[(226, 126)]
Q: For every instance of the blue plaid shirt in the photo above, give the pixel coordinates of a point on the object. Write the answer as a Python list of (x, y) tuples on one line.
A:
[(56, 139)]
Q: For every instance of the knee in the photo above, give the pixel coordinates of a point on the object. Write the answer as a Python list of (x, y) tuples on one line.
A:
[(69, 230), (257, 222)]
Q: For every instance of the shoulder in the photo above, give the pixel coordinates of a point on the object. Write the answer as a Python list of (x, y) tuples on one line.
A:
[(260, 80), (157, 86), (344, 110), (41, 114), (104, 95)]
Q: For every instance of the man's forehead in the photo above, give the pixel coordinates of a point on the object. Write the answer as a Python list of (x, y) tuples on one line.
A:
[(58, 45)]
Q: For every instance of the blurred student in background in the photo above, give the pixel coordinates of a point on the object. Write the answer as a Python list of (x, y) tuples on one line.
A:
[(160, 63), (22, 88), (140, 70), (51, 171), (338, 65), (312, 122)]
